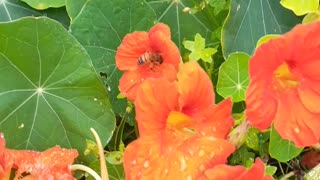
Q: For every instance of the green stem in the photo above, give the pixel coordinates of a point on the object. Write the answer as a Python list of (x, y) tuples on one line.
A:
[(119, 131), (287, 176), (136, 130), (84, 168)]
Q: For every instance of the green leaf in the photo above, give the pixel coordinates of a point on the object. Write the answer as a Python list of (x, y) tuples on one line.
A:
[(300, 7), (74, 7), (218, 5), (242, 156), (183, 24), (270, 170), (266, 38), (311, 17), (233, 77), (115, 171), (198, 50), (248, 20), (14, 9), (251, 139), (281, 149), (50, 93), (100, 27), (45, 4)]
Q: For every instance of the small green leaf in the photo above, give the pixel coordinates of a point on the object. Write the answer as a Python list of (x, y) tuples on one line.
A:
[(300, 7), (270, 170), (251, 139), (44, 4), (233, 77), (198, 50), (218, 5), (311, 17), (242, 156), (281, 149)]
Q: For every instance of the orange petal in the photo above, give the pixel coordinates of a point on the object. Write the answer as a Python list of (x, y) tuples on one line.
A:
[(224, 172), (160, 42), (195, 89), (129, 83), (51, 164), (309, 97), (132, 47), (218, 120), (146, 159), (155, 99), (261, 105), (295, 123)]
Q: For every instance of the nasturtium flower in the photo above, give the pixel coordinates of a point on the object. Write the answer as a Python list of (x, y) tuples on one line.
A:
[(225, 172), (285, 85), (143, 55), (50, 164), (182, 132)]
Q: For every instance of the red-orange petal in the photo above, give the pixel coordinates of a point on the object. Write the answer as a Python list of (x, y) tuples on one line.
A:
[(129, 83), (261, 106), (310, 96), (132, 47), (160, 42), (218, 120), (154, 101), (195, 89), (224, 172), (51, 164), (295, 123), (146, 159)]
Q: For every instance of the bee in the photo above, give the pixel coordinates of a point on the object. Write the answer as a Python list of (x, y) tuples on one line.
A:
[(153, 58)]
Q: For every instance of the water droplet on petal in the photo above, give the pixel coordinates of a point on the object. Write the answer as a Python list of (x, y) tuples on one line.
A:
[(146, 164)]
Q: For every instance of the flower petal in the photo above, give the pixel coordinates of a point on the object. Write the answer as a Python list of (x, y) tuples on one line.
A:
[(132, 47), (129, 83), (225, 172), (195, 89), (295, 123), (155, 99), (146, 159), (218, 120), (260, 104), (160, 42), (309, 96)]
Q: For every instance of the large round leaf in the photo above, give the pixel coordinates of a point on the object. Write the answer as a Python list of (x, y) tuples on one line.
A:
[(49, 93), (100, 27), (248, 20), (45, 4), (15, 9)]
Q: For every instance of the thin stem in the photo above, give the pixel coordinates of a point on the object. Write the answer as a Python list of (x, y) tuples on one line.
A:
[(119, 130), (84, 168), (103, 166), (287, 176), (136, 130)]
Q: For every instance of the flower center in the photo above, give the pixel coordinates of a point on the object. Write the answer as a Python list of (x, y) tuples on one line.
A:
[(178, 119), (283, 78)]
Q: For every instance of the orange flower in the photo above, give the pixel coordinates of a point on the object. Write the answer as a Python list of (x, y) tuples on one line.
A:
[(50, 164), (143, 55), (224, 172), (285, 85), (182, 133)]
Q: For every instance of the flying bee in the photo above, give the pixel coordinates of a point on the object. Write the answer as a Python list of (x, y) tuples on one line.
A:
[(153, 58)]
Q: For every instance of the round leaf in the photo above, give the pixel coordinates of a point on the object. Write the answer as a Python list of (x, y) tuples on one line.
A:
[(45, 4), (300, 7), (50, 93), (15, 9), (248, 20), (100, 27), (281, 149), (233, 77)]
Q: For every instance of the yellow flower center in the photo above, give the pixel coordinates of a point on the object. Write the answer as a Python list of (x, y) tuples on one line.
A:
[(177, 119), (283, 78)]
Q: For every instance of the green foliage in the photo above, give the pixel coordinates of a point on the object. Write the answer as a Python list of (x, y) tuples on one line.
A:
[(300, 7), (249, 20), (233, 77), (270, 170), (48, 83), (219, 5), (44, 4), (242, 156), (198, 50), (14, 9), (281, 149), (266, 38)]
